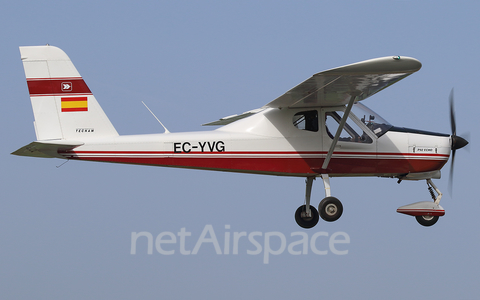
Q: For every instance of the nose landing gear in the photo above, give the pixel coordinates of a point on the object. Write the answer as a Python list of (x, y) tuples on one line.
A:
[(426, 213)]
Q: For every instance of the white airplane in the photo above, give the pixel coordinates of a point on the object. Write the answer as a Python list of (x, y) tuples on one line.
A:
[(319, 128)]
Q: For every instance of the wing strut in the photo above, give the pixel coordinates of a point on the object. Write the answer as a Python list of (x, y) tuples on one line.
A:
[(339, 130)]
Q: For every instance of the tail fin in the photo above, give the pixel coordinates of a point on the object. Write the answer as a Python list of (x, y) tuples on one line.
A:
[(63, 106)]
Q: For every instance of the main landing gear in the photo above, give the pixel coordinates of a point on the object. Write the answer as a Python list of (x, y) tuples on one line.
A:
[(330, 208), (426, 212)]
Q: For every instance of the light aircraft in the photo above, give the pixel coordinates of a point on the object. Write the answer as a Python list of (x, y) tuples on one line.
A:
[(319, 128)]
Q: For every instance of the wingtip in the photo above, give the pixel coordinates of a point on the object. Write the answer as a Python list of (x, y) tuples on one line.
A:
[(381, 65)]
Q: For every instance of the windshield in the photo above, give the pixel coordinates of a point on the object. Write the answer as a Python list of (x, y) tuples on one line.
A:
[(372, 120)]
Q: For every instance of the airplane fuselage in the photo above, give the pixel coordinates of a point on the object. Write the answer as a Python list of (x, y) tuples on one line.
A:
[(269, 143)]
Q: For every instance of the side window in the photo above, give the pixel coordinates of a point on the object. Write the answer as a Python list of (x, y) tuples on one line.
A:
[(351, 132), (306, 120)]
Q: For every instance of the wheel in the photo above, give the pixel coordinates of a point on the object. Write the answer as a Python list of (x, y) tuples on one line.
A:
[(330, 209), (305, 222), (427, 220)]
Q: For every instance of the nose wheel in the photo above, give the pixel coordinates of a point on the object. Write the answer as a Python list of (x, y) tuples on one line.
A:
[(425, 212), (427, 220)]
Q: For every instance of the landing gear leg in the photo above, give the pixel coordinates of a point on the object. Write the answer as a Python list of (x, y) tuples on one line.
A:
[(330, 208), (432, 185), (326, 184), (307, 215)]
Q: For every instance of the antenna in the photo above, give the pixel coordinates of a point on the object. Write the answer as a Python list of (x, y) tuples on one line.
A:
[(166, 130), (63, 163)]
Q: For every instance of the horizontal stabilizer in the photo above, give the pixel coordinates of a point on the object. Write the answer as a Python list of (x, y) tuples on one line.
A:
[(47, 149)]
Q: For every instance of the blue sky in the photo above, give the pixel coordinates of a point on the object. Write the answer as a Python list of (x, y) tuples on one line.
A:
[(66, 232)]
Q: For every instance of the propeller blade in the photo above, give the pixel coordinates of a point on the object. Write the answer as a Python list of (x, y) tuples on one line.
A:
[(452, 114), (453, 125), (457, 141), (450, 178)]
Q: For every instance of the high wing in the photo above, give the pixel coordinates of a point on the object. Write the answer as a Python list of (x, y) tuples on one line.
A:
[(337, 86)]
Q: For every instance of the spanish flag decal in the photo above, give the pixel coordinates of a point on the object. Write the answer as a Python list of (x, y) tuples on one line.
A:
[(74, 104)]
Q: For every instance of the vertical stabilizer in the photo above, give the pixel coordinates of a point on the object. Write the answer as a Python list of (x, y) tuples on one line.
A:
[(63, 105)]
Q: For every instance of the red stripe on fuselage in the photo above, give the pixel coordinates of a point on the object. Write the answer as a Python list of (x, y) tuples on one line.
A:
[(440, 156), (271, 165)]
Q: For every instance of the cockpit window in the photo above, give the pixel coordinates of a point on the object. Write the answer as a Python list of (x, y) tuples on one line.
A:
[(306, 120), (372, 120), (351, 131)]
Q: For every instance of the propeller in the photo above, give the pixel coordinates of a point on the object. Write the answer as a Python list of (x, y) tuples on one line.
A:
[(457, 141)]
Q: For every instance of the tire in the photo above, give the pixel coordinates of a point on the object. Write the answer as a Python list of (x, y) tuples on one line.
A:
[(306, 222), (427, 220), (330, 209)]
